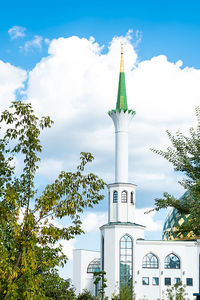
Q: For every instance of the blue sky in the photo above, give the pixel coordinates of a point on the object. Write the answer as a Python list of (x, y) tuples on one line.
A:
[(168, 27), (74, 80)]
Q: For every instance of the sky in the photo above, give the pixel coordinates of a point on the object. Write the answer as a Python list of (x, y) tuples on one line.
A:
[(63, 57)]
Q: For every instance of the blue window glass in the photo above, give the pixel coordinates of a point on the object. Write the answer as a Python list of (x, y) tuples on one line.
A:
[(189, 281), (94, 266), (115, 197), (177, 280), (145, 280), (155, 281), (172, 262), (126, 260), (167, 281)]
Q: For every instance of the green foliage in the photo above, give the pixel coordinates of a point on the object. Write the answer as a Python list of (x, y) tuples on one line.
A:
[(28, 232), (100, 279), (176, 292), (57, 288), (126, 293), (86, 295), (184, 154)]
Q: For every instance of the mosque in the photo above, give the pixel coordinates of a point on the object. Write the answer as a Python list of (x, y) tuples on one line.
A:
[(125, 256)]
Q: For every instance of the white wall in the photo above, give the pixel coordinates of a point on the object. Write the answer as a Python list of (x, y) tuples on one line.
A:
[(121, 212), (121, 122), (81, 279), (112, 234), (187, 251)]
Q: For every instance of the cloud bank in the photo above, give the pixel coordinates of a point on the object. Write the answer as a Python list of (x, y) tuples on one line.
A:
[(76, 84)]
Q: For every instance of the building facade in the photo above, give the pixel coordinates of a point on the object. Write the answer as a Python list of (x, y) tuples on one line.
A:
[(125, 256)]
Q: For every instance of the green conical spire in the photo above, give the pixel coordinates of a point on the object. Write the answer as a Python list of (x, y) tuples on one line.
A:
[(121, 97), (122, 104)]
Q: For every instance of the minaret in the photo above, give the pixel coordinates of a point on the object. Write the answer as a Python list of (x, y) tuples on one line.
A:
[(116, 255), (121, 193), (121, 117)]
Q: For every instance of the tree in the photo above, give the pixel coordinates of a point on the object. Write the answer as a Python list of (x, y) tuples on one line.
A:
[(28, 230), (86, 295), (176, 292), (184, 154), (100, 279), (56, 287), (126, 292)]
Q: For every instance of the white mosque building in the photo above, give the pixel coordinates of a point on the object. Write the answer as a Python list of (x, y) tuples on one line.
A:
[(125, 256)]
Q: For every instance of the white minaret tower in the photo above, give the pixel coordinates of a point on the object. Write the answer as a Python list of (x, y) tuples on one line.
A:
[(121, 117), (121, 193), (119, 235)]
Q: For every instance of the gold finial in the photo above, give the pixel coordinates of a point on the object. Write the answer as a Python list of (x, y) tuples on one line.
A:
[(122, 60)]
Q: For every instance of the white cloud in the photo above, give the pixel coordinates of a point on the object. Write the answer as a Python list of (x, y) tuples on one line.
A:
[(74, 77), (76, 84), (147, 219), (47, 41), (92, 221), (50, 168), (35, 43), (11, 80), (17, 32), (164, 93)]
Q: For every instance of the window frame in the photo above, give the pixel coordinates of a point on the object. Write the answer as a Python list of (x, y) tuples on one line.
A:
[(125, 259), (167, 263), (115, 196), (153, 279), (177, 281), (96, 262), (148, 263), (124, 199), (143, 280), (187, 279), (132, 197), (168, 278)]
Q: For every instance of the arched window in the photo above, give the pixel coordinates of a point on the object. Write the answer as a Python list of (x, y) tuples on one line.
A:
[(115, 197), (94, 266), (126, 260), (124, 197), (150, 261), (132, 197), (172, 262)]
